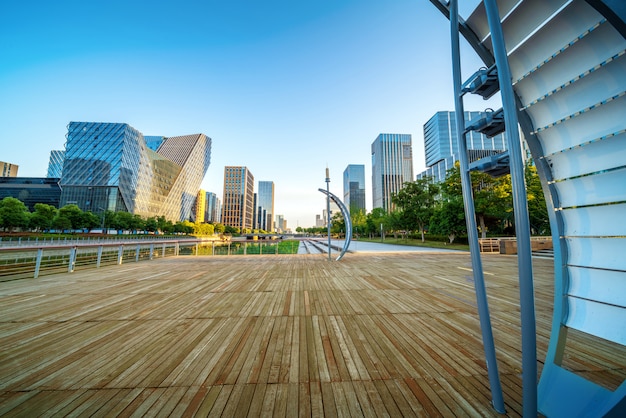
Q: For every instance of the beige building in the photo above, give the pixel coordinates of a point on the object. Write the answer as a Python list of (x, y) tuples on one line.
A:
[(238, 201), (8, 169)]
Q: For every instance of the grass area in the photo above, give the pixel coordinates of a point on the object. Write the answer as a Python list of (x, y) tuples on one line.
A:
[(417, 243)]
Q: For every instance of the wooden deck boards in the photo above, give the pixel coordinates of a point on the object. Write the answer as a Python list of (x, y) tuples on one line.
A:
[(372, 335)]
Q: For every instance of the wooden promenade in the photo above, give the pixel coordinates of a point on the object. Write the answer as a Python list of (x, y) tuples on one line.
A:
[(295, 335)]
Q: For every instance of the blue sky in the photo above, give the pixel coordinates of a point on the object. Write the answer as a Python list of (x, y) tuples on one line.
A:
[(283, 87)]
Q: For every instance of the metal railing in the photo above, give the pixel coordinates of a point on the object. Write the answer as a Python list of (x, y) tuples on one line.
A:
[(31, 261)]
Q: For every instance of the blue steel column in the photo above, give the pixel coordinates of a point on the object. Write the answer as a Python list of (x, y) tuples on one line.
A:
[(470, 218), (520, 208)]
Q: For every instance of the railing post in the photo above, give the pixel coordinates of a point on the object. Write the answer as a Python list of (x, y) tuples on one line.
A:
[(151, 251), (38, 262), (245, 248), (212, 247), (229, 248), (120, 254), (176, 249), (163, 251), (137, 252), (99, 256), (70, 267), (196, 248)]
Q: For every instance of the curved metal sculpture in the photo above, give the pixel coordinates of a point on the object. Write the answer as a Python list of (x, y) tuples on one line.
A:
[(347, 220)]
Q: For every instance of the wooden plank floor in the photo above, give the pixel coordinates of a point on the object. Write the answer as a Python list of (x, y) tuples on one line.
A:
[(372, 335)]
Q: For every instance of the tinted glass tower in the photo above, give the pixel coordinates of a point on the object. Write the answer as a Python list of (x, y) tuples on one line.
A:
[(392, 166), (441, 145), (265, 205), (354, 187), (108, 166)]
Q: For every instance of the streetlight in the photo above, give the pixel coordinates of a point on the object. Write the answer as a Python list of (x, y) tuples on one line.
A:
[(328, 208)]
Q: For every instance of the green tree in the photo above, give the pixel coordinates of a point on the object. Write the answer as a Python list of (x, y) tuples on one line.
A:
[(61, 223), (122, 221), (74, 214), (89, 220), (492, 200), (151, 224), (416, 201), (42, 217), (537, 208), (449, 219), (219, 228), (13, 214), (136, 223), (359, 221), (337, 225), (376, 221)]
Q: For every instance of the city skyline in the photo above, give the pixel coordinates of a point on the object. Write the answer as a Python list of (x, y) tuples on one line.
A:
[(285, 89)]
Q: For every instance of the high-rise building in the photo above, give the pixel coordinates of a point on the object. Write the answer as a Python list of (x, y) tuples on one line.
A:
[(55, 165), (213, 208), (199, 207), (392, 166), (354, 188), (265, 205), (108, 166), (8, 169), (238, 201), (280, 224), (441, 144)]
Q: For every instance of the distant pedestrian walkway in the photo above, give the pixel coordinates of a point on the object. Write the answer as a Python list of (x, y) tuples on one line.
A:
[(379, 247)]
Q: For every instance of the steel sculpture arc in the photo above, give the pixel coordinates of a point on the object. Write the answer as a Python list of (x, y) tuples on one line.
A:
[(347, 220)]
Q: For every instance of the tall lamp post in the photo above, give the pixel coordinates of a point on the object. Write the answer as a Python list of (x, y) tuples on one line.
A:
[(328, 208)]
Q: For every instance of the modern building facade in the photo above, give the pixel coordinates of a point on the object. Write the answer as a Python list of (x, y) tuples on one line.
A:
[(238, 201), (55, 165), (108, 166), (8, 169), (265, 206), (213, 211), (392, 166), (199, 207), (354, 188), (441, 144), (31, 190)]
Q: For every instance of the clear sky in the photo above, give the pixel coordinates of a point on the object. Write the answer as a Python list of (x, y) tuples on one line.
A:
[(283, 87)]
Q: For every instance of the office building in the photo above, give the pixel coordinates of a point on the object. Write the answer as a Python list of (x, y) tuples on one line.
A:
[(55, 165), (354, 188), (265, 206), (213, 211), (8, 169), (281, 224), (392, 166), (31, 190), (199, 207), (108, 166), (441, 144), (238, 201)]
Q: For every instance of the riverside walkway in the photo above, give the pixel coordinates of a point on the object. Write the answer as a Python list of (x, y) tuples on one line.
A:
[(377, 334)]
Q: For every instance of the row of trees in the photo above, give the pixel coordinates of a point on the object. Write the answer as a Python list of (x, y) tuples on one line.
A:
[(14, 214), (437, 208)]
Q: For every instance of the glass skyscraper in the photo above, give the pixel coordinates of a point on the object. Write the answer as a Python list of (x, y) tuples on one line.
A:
[(441, 144), (213, 208), (265, 206), (392, 166), (238, 202), (354, 187), (55, 165), (109, 166)]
